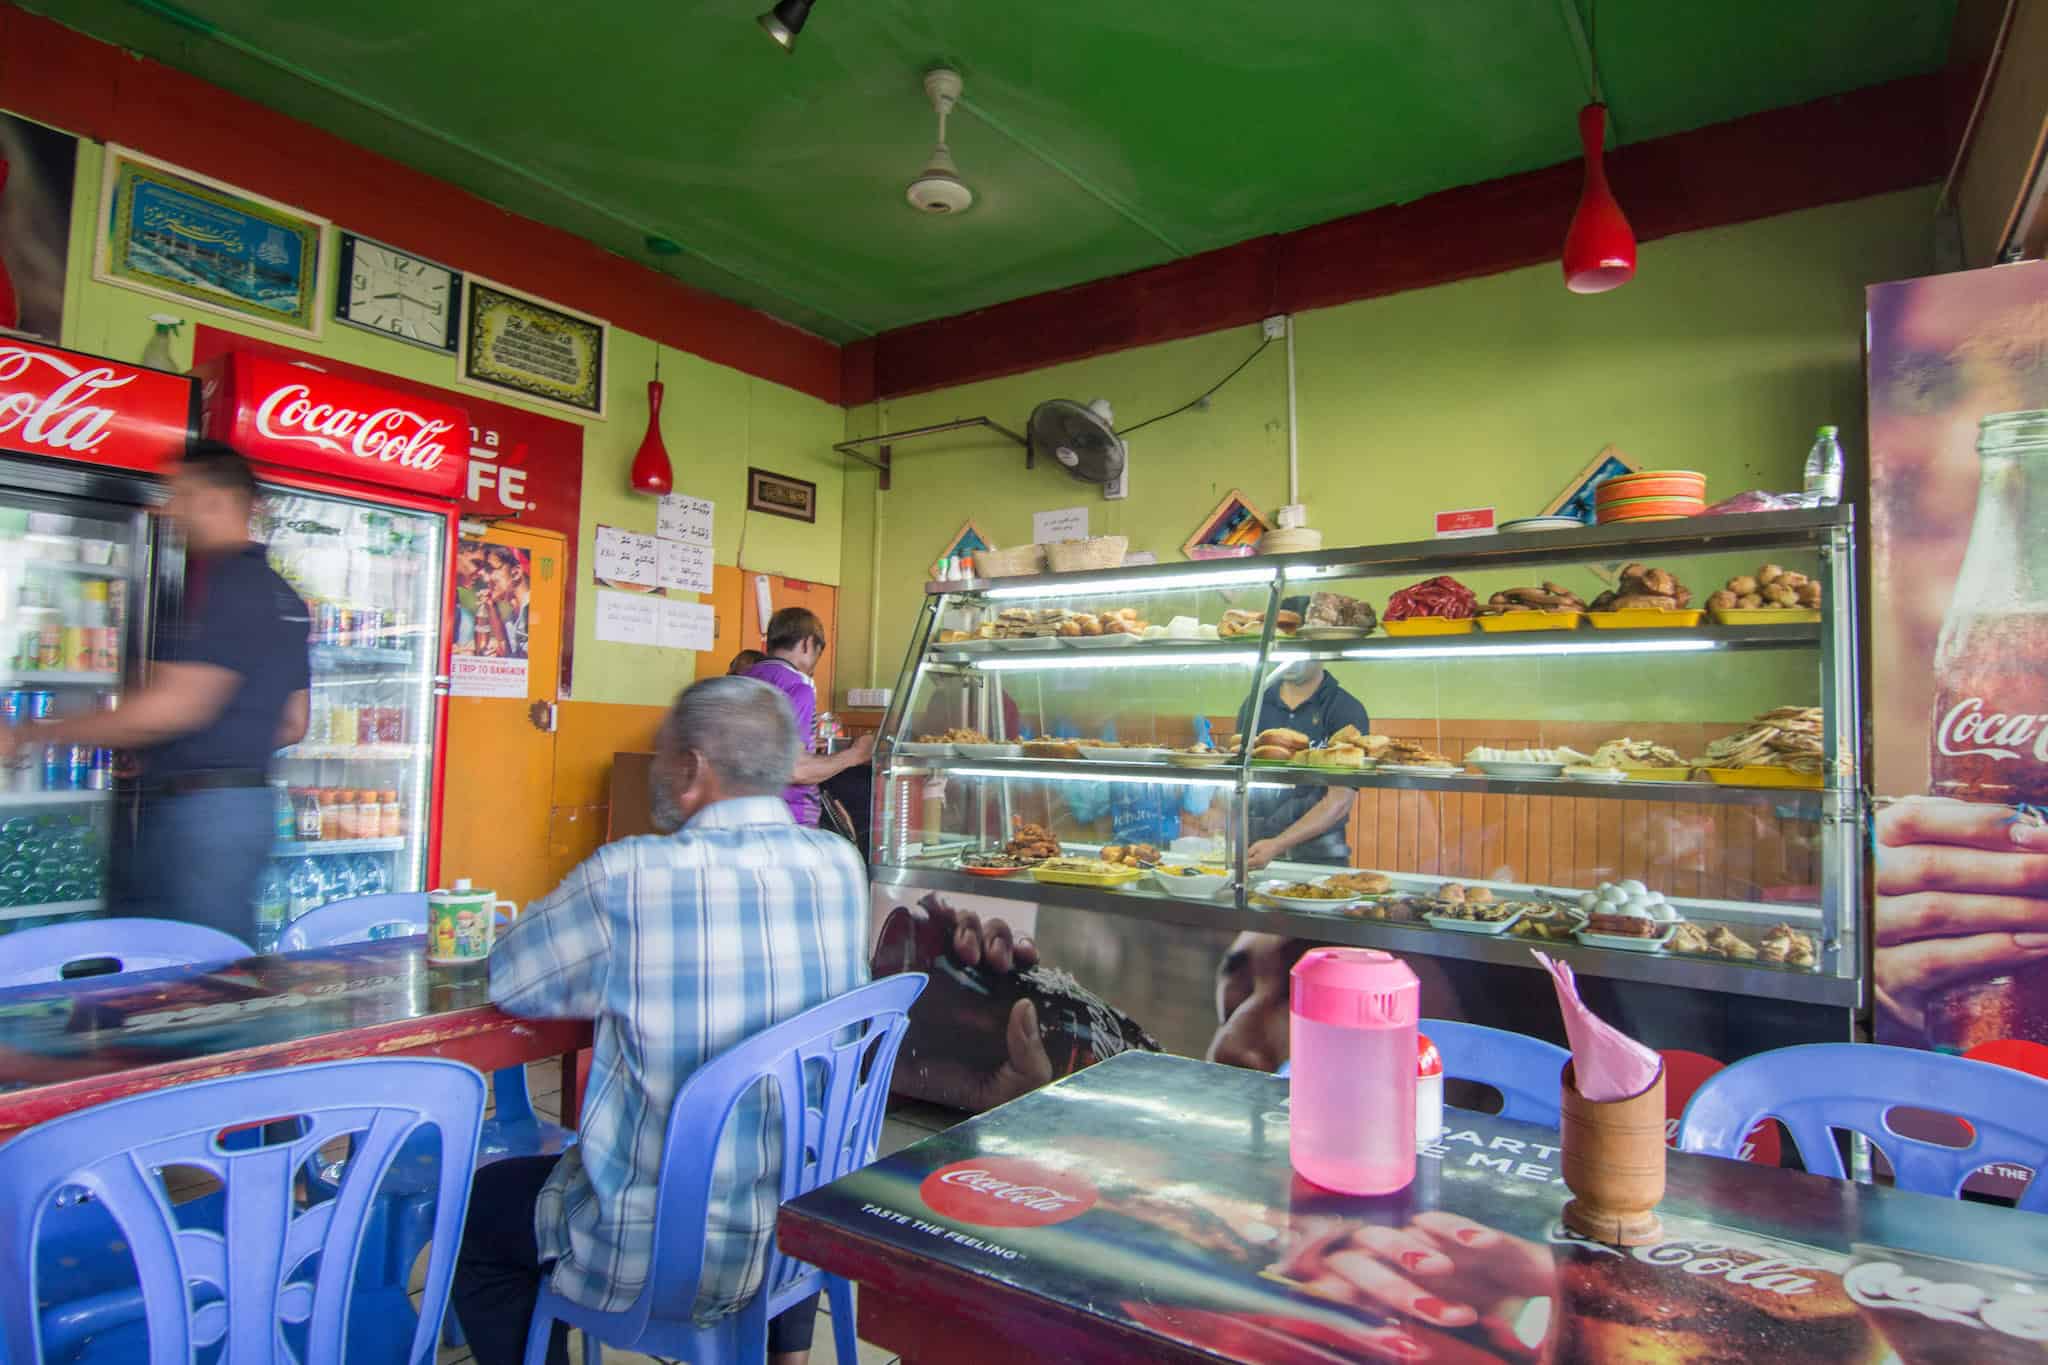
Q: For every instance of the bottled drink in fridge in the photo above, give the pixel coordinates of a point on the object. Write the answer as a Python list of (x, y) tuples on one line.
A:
[(368, 872), (1989, 730), (1824, 468), (305, 890), (338, 879), (273, 904), (287, 817)]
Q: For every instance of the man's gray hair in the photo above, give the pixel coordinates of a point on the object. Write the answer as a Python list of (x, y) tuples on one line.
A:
[(742, 727)]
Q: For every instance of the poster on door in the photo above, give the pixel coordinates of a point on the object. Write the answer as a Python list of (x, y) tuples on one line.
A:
[(493, 602)]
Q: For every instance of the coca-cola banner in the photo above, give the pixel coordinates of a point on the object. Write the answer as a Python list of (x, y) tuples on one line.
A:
[(1959, 647), (279, 413), (81, 407)]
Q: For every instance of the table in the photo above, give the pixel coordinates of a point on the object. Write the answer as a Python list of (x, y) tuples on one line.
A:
[(73, 1044), (1144, 1209)]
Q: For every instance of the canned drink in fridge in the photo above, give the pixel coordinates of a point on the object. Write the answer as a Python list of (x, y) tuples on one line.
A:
[(50, 646), (344, 626), (369, 626), (78, 649), (13, 706), (326, 623), (56, 767), (40, 705), (106, 649), (78, 768), (102, 776)]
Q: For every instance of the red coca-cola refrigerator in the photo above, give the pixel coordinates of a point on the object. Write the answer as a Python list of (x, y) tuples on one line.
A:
[(359, 511), (1959, 661), (83, 570)]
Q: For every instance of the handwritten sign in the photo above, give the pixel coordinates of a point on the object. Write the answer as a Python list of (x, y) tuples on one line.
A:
[(682, 517), (687, 625), (1064, 523), (627, 557), (685, 566), (626, 618)]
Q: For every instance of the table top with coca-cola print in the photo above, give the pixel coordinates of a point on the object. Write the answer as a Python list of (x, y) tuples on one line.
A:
[(1145, 1209), (69, 1044)]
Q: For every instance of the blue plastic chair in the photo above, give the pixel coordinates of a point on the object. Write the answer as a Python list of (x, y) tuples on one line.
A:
[(34, 957), (277, 1281), (846, 1048), (1525, 1070), (1856, 1086)]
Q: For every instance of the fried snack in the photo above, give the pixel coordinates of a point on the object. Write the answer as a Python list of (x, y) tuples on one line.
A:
[(1769, 588), (1361, 883), (1235, 623), (1787, 945), (1406, 751), (1312, 891), (1051, 748), (1549, 597), (1545, 923), (1689, 938), (1787, 737), (1725, 942), (1636, 753), (1643, 588), (1350, 734), (1130, 855), (1277, 752), (1282, 738), (1031, 842), (1336, 609), (1333, 756), (1626, 926)]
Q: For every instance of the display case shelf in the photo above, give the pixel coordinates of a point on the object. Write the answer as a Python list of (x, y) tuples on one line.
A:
[(58, 677), (354, 753), (13, 800), (338, 657), (322, 848)]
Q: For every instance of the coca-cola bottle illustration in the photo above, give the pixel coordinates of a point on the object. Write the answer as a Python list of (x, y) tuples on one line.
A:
[(961, 1018), (1989, 739)]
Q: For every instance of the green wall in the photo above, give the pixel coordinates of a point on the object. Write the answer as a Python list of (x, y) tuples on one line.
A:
[(715, 421), (1722, 355)]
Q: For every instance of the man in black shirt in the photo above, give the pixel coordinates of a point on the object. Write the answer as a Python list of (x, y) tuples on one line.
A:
[(1302, 824), (230, 688)]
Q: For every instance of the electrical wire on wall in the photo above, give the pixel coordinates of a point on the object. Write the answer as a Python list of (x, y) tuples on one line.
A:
[(1205, 395)]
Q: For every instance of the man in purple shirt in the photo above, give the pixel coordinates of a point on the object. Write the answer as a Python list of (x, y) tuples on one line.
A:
[(796, 641)]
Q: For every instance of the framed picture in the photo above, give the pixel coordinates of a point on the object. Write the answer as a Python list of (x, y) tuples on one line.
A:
[(781, 496), (182, 236), (1577, 498), (517, 343), (967, 540), (397, 294)]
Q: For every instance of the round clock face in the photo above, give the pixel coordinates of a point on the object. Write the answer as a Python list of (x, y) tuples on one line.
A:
[(400, 294)]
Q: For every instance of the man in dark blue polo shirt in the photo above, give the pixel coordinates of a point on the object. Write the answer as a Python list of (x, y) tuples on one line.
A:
[(228, 691), (1302, 824)]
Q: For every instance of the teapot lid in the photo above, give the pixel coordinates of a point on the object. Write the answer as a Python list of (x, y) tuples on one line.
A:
[(1355, 987)]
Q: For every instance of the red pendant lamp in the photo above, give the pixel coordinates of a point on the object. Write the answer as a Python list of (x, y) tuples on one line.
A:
[(1600, 249), (652, 472)]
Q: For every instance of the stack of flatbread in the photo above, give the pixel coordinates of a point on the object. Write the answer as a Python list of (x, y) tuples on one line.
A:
[(1789, 737)]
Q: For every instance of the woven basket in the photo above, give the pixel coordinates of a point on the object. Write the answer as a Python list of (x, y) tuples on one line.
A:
[(1014, 562), (1097, 552)]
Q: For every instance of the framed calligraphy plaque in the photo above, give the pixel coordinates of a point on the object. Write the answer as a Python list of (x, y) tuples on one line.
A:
[(552, 355)]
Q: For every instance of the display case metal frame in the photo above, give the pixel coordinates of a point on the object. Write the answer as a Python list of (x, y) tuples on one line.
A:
[(1839, 806)]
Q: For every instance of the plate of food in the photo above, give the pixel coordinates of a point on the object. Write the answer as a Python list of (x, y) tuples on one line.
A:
[(988, 750), (1316, 895), (1189, 879), (1144, 856), (1426, 769), (1636, 936), (1494, 767), (1032, 843), (1084, 872), (1474, 917), (1547, 922), (994, 862)]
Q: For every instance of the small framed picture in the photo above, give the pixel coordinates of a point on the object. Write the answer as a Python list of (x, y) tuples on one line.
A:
[(179, 235), (781, 496), (515, 342)]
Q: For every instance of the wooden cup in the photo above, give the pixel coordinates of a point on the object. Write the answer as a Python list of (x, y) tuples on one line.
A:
[(1614, 1164)]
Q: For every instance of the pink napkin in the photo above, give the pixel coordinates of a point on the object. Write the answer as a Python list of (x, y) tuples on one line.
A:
[(1607, 1064)]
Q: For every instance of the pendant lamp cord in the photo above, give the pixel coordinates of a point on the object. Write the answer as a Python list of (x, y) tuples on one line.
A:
[(1593, 47)]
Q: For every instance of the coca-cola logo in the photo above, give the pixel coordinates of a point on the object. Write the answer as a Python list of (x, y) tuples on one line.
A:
[(1968, 731), (62, 418), (1006, 1192), (1735, 1264), (1882, 1284), (388, 435)]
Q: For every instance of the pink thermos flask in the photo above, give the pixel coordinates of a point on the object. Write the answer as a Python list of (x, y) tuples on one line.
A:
[(1352, 1110)]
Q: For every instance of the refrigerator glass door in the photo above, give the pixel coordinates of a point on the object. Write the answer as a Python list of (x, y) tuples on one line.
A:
[(68, 624), (355, 794)]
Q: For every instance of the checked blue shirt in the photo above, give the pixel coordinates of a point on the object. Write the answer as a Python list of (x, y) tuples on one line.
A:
[(679, 947)]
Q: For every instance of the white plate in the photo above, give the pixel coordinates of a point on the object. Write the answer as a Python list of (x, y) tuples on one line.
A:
[(966, 644), (1596, 774), (1115, 641), (1144, 755), (1305, 902), (1624, 942), (1494, 767), (1543, 524), (1203, 884), (989, 750), (1029, 642), (1431, 769), (1180, 760), (912, 749), (1472, 926)]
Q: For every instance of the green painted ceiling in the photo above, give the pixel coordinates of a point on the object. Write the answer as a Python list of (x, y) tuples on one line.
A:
[(1100, 135)]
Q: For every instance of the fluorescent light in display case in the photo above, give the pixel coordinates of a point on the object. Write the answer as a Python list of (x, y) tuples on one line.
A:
[(1114, 658), (1215, 578), (1180, 779), (1547, 647)]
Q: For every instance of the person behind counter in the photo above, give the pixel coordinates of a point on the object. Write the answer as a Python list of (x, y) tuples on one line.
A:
[(1302, 824), (796, 641)]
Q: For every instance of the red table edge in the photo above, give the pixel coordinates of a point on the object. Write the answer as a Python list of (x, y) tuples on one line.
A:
[(482, 1036), (948, 1298)]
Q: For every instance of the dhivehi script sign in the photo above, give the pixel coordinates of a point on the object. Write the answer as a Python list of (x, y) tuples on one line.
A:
[(534, 349)]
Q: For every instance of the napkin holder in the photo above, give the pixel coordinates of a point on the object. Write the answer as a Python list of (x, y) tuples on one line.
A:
[(1614, 1163)]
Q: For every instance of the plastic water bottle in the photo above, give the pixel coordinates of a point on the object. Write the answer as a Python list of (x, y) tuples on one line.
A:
[(305, 891), (273, 903), (1352, 1041), (338, 878), (1824, 469), (368, 872), (287, 815)]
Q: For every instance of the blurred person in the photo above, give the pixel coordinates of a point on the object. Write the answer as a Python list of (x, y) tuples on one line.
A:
[(231, 688), (795, 641), (679, 946), (743, 662)]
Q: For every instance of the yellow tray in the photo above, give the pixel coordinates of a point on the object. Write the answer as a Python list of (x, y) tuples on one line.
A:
[(1514, 621), (1763, 777), (1065, 878), (1658, 774), (1644, 618), (1766, 616), (1429, 625)]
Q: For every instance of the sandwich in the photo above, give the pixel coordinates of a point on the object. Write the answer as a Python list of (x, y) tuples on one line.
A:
[(1281, 738), (1337, 756)]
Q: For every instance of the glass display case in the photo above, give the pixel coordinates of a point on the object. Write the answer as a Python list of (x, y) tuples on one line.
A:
[(1635, 747)]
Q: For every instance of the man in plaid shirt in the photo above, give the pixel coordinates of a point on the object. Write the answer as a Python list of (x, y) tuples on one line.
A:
[(679, 946)]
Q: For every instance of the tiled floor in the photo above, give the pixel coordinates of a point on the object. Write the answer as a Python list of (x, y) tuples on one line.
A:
[(906, 1123)]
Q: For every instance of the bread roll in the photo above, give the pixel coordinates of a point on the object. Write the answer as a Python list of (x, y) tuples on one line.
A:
[(1276, 751), (1283, 738)]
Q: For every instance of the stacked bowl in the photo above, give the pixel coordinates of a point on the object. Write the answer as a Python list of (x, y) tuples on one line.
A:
[(1651, 495)]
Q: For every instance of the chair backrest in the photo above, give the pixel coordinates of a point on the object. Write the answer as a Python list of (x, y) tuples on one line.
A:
[(1526, 1071), (356, 920), (31, 957), (279, 1270), (1856, 1086), (830, 1066)]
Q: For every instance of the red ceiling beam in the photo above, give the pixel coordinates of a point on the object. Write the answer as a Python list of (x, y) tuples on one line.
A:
[(65, 79), (1872, 141)]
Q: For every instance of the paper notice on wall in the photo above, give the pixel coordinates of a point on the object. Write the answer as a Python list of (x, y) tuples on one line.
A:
[(626, 618), (682, 517), (626, 557), (685, 566), (1064, 523), (687, 625)]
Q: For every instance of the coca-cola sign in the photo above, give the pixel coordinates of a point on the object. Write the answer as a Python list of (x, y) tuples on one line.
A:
[(1966, 728), (280, 413), (1885, 1285), (81, 407), (1006, 1192), (1755, 1266)]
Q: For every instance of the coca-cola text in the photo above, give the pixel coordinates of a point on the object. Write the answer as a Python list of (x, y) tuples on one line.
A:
[(1006, 1192), (83, 408), (388, 434)]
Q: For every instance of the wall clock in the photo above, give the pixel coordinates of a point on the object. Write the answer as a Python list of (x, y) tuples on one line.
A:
[(383, 289)]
